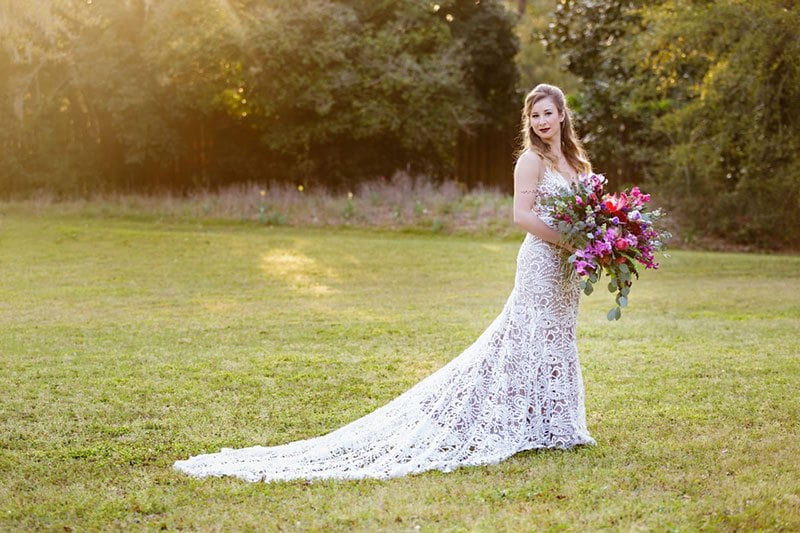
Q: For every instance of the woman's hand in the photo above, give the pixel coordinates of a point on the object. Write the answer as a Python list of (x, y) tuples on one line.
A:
[(568, 246)]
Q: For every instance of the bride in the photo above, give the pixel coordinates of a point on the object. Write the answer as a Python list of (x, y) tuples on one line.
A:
[(517, 387)]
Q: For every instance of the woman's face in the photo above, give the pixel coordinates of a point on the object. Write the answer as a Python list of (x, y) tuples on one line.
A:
[(546, 119)]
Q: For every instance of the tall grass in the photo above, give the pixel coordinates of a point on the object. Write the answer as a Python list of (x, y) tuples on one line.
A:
[(401, 202)]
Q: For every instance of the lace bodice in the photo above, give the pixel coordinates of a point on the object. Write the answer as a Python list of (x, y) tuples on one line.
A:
[(551, 184), (518, 386)]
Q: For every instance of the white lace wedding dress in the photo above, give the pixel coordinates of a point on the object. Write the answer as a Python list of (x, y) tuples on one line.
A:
[(517, 387)]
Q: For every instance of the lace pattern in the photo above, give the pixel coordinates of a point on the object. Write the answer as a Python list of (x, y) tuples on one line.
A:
[(517, 387)]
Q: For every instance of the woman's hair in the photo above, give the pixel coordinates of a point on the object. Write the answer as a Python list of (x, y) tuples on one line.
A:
[(571, 146)]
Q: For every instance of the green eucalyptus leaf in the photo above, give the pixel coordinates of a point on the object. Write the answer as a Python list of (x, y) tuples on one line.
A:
[(622, 301), (588, 289)]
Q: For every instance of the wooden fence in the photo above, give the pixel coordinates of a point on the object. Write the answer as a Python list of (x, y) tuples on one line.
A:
[(487, 157)]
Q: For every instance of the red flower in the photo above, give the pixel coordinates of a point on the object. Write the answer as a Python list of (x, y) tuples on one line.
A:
[(621, 244), (614, 203), (616, 206)]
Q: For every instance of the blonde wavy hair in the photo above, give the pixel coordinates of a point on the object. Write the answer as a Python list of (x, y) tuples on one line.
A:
[(571, 146)]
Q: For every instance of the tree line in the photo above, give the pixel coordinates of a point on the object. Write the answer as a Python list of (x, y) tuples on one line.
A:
[(697, 99), (149, 94)]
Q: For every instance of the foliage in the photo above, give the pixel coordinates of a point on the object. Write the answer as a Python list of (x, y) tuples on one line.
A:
[(156, 94), (592, 38), (696, 99), (487, 31), (733, 115), (699, 98), (535, 63)]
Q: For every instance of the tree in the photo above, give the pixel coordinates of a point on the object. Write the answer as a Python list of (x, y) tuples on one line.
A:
[(729, 73), (364, 89), (537, 64), (592, 38), (149, 93), (665, 87)]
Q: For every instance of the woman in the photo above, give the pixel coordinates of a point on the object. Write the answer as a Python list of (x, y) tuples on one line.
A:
[(517, 387)]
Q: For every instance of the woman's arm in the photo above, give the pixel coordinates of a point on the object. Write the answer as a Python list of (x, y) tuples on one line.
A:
[(527, 173)]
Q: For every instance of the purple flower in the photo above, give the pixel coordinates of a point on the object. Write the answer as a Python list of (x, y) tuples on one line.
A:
[(583, 268), (601, 247)]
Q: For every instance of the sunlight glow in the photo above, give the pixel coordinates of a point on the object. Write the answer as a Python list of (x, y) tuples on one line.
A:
[(297, 270)]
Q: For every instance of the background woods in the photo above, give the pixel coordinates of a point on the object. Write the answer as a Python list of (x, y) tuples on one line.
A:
[(698, 101), (143, 95)]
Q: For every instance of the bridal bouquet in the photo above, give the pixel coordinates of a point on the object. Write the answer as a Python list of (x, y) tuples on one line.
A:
[(612, 232)]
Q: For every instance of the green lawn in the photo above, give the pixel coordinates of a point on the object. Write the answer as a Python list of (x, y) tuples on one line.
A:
[(126, 344)]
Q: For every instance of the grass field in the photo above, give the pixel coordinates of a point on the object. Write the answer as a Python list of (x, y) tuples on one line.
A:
[(128, 343)]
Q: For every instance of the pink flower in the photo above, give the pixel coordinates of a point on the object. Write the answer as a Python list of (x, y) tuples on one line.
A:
[(621, 244)]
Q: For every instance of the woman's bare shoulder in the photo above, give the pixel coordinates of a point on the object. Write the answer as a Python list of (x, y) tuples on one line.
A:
[(529, 166)]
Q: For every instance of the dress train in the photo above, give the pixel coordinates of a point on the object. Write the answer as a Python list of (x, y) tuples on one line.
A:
[(517, 387)]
